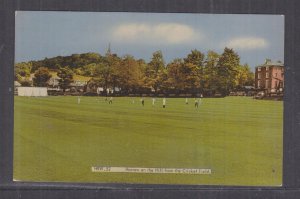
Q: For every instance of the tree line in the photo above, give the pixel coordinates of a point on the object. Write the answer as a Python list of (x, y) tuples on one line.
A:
[(196, 73)]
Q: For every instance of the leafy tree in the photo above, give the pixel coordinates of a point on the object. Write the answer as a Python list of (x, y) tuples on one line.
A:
[(91, 57), (183, 76), (26, 82), (41, 77), (227, 67), (22, 70), (115, 65), (174, 74), (194, 70), (105, 72), (153, 71), (78, 71), (192, 76), (245, 77), (66, 77), (195, 57), (89, 70), (94, 83), (211, 73), (129, 74)]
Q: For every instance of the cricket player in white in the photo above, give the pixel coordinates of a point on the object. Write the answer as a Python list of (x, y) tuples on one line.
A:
[(164, 102), (196, 102), (153, 101)]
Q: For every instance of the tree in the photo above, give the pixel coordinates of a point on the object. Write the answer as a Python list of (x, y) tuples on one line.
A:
[(89, 70), (153, 71), (94, 83), (195, 57), (183, 76), (26, 82), (244, 77), (192, 76), (66, 77), (194, 70), (105, 71), (210, 73), (41, 77), (22, 70), (227, 68), (174, 75), (129, 74), (115, 63)]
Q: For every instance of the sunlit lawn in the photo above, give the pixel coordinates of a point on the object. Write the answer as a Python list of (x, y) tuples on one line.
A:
[(238, 138)]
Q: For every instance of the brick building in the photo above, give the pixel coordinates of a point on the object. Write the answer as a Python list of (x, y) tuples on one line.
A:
[(269, 77)]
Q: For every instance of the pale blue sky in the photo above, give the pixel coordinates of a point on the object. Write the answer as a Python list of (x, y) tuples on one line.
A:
[(41, 34)]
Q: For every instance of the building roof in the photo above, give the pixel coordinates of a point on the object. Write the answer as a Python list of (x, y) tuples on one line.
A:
[(270, 63)]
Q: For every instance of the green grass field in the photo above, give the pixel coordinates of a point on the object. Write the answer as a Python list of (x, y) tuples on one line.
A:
[(239, 138)]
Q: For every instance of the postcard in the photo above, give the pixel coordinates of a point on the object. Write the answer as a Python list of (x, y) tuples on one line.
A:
[(148, 98)]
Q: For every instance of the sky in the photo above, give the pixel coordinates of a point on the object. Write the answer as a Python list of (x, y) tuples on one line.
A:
[(41, 34)]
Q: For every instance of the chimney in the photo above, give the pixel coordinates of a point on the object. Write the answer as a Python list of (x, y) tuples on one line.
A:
[(268, 61)]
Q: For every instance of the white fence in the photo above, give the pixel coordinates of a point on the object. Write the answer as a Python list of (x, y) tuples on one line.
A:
[(32, 91)]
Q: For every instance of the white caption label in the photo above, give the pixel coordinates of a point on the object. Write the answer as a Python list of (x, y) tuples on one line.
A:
[(150, 170)]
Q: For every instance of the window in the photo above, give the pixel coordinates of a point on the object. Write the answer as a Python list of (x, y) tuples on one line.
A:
[(258, 69), (267, 84), (267, 68), (258, 83), (258, 75), (267, 75)]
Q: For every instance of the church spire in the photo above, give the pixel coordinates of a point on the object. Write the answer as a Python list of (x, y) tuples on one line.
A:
[(108, 52)]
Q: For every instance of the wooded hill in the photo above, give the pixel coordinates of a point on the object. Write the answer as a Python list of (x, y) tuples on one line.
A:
[(197, 72)]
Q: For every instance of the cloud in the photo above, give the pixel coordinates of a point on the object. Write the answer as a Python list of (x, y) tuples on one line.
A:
[(168, 33), (246, 43)]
